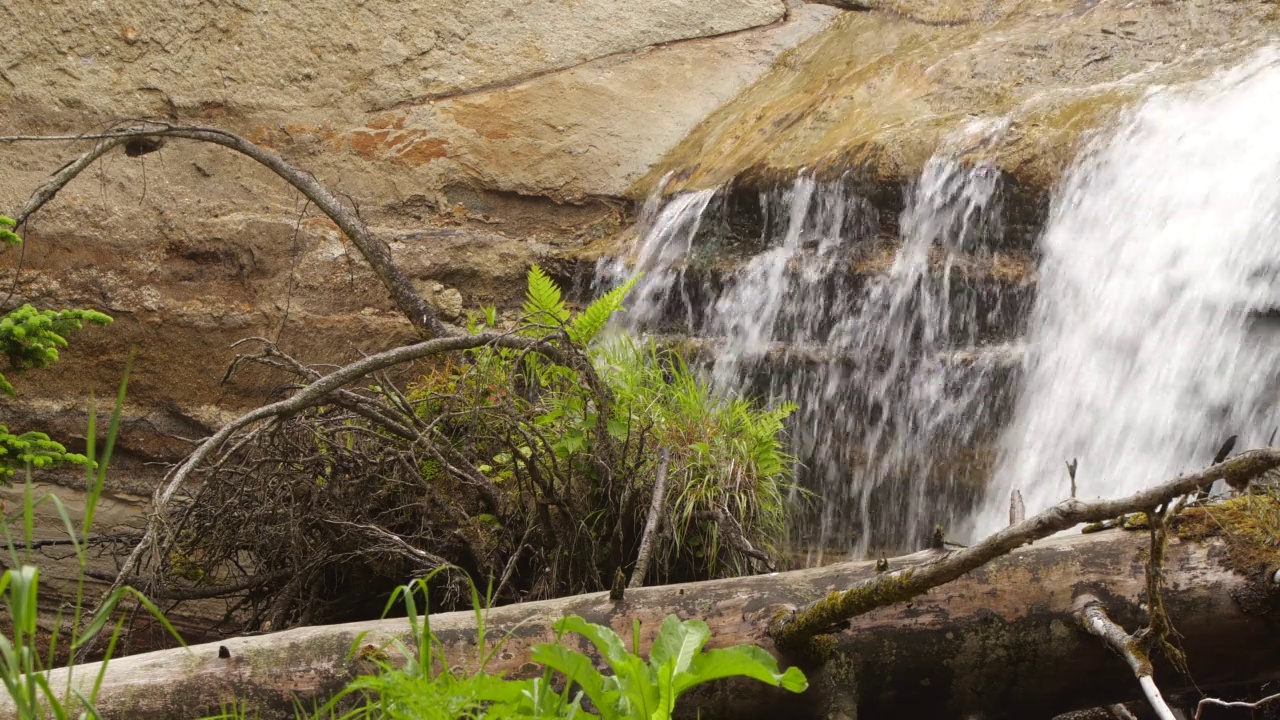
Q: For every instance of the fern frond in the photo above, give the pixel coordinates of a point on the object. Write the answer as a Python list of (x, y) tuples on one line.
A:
[(591, 321), (543, 303)]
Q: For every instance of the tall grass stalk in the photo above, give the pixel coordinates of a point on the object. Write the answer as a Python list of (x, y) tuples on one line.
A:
[(23, 670)]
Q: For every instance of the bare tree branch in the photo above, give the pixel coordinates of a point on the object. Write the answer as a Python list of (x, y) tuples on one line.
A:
[(375, 250), (728, 528), (888, 588), (308, 396), (1133, 648), (1241, 705), (202, 592), (651, 524)]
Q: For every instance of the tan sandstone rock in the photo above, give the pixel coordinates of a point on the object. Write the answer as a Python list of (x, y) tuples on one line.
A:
[(879, 90), (477, 136)]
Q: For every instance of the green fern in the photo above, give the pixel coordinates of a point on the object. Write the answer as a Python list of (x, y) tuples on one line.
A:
[(543, 304), (588, 323)]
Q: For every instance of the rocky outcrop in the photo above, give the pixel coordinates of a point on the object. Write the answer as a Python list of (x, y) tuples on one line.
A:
[(880, 89), (478, 136)]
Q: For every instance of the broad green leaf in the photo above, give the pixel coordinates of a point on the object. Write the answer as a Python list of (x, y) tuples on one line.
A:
[(739, 661), (572, 441), (604, 639), (577, 668), (618, 428), (678, 642)]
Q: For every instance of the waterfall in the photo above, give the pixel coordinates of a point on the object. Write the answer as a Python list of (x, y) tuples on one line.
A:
[(1153, 337), (879, 339)]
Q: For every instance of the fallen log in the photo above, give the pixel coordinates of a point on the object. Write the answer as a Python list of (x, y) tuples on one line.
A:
[(1000, 641)]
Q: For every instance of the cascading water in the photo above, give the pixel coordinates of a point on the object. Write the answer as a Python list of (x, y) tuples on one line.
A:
[(1150, 342), (878, 355)]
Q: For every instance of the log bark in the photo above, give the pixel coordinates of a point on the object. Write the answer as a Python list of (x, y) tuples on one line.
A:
[(1000, 641)]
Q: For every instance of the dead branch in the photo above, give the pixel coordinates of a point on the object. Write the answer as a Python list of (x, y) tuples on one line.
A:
[(375, 250), (1133, 648), (796, 627), (651, 524), (201, 592), (308, 396), (729, 529), (1239, 705)]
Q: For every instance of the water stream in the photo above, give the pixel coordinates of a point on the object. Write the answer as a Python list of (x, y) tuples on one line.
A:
[(877, 338), (1151, 340), (928, 388)]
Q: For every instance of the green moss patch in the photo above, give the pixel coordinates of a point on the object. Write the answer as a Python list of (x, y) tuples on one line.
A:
[(1250, 524)]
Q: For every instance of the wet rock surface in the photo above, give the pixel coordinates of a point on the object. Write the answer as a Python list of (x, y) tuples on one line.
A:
[(875, 94)]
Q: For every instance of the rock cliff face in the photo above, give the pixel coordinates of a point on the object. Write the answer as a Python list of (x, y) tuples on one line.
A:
[(880, 89), (480, 136)]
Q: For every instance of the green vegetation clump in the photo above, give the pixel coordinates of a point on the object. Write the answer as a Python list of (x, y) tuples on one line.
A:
[(532, 462), (535, 425), (728, 458), (429, 687), (1249, 523)]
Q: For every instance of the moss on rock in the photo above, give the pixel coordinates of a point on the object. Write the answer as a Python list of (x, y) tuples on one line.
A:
[(1249, 523)]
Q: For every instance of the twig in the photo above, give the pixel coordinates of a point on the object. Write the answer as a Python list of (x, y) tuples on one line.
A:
[(651, 525), (91, 540), (515, 557), (1093, 618), (1158, 617), (1234, 704), (728, 527), (203, 592), (888, 588)]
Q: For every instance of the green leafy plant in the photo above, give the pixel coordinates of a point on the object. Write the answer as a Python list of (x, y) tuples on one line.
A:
[(7, 235), (677, 663), (430, 687), (34, 449), (31, 338), (532, 465)]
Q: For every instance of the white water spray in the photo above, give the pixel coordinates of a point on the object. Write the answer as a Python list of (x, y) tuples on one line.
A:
[(1146, 346), (887, 414)]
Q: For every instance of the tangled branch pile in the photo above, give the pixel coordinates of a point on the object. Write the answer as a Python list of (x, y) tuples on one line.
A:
[(533, 467)]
